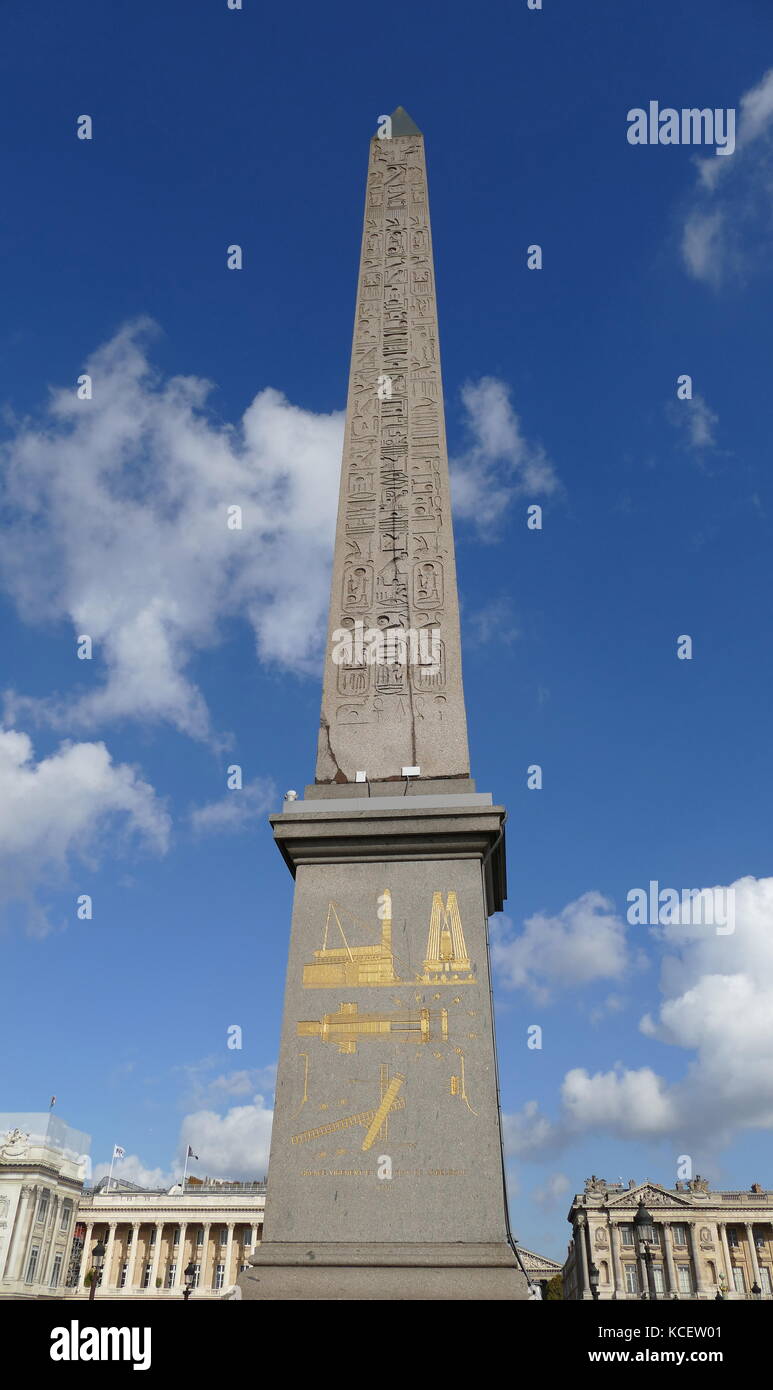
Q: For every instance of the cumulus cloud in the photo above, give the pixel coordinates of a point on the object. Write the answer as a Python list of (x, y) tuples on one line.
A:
[(726, 225), (586, 941), (717, 1006), (235, 810), (499, 463), (61, 808), (132, 1169), (120, 527), (235, 1145)]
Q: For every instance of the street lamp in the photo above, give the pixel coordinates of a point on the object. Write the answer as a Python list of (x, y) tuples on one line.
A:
[(190, 1275), (643, 1226), (756, 1290), (98, 1255), (594, 1281)]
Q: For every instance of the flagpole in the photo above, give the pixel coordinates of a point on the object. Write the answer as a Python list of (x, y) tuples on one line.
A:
[(112, 1161), (185, 1169)]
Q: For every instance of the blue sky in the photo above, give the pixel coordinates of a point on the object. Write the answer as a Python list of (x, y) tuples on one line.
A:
[(213, 127)]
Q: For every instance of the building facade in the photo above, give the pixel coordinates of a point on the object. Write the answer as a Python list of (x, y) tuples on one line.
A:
[(699, 1243), (50, 1224)]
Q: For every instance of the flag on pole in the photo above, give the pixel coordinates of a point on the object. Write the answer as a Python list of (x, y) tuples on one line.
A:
[(52, 1103), (191, 1154), (118, 1152)]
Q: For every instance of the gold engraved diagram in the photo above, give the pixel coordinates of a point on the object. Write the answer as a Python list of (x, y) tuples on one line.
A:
[(341, 965), (348, 1026), (353, 965), (374, 1121), (447, 962)]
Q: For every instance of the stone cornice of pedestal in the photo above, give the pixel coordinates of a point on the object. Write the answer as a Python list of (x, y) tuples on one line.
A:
[(462, 1254), (443, 831)]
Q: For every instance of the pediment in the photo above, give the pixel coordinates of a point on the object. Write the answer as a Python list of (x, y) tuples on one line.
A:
[(652, 1195)]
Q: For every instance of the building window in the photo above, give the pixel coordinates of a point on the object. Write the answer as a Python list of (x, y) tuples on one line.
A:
[(657, 1276), (732, 1237), (56, 1272), (32, 1265), (219, 1273), (679, 1234), (759, 1240), (247, 1236), (685, 1282), (627, 1234), (42, 1207), (631, 1279), (176, 1236), (66, 1214), (146, 1274), (196, 1275), (738, 1279), (153, 1234), (170, 1274), (200, 1236), (224, 1235), (123, 1275), (765, 1279)]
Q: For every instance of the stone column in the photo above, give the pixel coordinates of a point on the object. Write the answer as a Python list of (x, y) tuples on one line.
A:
[(27, 1243), (722, 1228), (617, 1267), (107, 1268), (581, 1256), (181, 1260), (673, 1282), (700, 1283), (131, 1273), (227, 1280), (20, 1228), (86, 1259), (752, 1247), (204, 1254), (49, 1241), (155, 1261)]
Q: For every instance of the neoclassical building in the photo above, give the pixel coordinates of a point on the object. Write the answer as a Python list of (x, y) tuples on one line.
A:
[(50, 1223), (698, 1243)]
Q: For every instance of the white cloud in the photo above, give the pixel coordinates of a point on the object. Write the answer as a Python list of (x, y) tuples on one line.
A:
[(726, 229), (236, 809), (132, 1169), (622, 1102), (718, 1008), (586, 941), (119, 509), (696, 420), (235, 1145), (718, 1004), (60, 809), (499, 463)]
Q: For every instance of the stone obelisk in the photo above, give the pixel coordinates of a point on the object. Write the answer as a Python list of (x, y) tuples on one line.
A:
[(386, 1175)]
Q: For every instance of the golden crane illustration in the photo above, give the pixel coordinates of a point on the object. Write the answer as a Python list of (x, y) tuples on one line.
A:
[(354, 965)]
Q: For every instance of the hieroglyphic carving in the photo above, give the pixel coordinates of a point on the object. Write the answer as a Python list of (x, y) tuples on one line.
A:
[(397, 573)]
